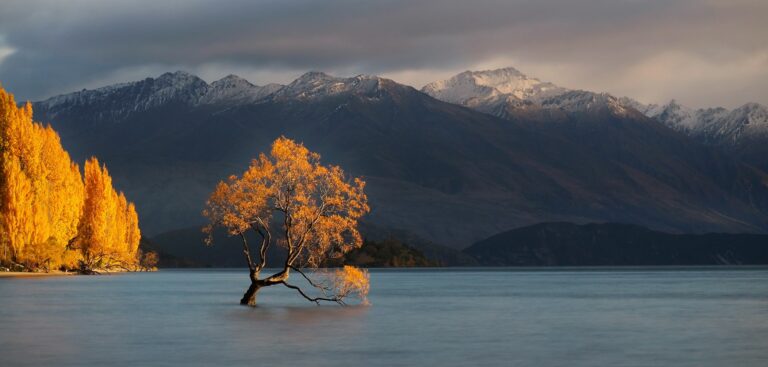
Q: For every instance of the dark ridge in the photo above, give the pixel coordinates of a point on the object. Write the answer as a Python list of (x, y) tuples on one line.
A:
[(614, 244)]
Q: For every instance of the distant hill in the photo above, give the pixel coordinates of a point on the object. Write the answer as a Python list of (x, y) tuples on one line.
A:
[(567, 244), (184, 248), (385, 254)]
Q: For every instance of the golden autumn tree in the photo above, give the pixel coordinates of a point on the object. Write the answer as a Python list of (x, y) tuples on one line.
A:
[(108, 234), (314, 210), (43, 198), (40, 188)]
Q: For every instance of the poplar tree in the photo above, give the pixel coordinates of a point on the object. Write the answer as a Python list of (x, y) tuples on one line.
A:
[(50, 218)]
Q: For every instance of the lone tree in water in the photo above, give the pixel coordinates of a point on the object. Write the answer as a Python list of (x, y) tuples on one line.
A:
[(315, 208)]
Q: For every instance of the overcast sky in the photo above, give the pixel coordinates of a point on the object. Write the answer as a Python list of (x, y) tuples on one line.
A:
[(701, 52)]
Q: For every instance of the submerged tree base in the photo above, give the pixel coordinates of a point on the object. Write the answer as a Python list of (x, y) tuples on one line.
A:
[(337, 287), (249, 298)]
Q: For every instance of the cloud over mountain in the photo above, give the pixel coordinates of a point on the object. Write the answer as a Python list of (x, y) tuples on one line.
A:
[(703, 52)]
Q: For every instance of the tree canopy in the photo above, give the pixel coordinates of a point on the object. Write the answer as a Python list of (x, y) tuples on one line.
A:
[(315, 208), (49, 217)]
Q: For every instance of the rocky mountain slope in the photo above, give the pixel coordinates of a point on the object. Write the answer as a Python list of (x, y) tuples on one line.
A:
[(742, 132)]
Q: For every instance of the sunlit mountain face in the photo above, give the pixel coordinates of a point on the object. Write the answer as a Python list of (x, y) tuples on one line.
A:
[(508, 93), (449, 171)]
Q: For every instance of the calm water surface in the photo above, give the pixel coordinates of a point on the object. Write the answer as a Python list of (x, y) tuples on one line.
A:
[(670, 317)]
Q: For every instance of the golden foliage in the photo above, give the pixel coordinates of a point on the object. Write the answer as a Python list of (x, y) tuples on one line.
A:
[(108, 233), (351, 281), (43, 197), (315, 206), (318, 208)]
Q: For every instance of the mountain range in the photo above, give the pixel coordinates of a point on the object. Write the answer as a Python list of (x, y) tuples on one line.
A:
[(742, 132), (456, 162), (508, 93)]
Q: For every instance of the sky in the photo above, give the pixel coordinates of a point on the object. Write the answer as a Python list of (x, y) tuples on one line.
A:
[(700, 52)]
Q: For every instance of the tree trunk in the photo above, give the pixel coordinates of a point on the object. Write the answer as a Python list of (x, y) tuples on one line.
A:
[(249, 298)]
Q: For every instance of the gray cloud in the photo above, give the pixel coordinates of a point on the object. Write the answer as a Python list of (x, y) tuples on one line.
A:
[(701, 52)]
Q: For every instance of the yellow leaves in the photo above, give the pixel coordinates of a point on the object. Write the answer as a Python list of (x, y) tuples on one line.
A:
[(43, 197), (318, 206), (17, 198), (109, 229), (238, 203), (319, 209), (31, 185), (350, 281)]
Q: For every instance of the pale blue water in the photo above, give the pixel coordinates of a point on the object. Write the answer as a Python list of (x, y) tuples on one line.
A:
[(418, 318)]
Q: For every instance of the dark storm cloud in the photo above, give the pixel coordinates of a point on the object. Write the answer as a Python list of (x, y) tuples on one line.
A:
[(649, 49)]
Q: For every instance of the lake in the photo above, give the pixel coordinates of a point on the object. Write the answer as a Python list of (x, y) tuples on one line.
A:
[(421, 317)]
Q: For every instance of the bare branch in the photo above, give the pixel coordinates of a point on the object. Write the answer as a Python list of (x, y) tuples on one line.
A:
[(266, 240), (323, 288), (247, 253), (316, 300)]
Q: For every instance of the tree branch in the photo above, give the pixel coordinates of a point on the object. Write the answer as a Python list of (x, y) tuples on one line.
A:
[(316, 300), (247, 253), (300, 245), (266, 240), (321, 287)]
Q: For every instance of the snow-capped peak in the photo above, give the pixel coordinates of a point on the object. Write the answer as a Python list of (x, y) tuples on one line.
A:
[(470, 86), (311, 81), (232, 81), (675, 115), (582, 101), (755, 113), (317, 84), (178, 77), (718, 125), (232, 90), (712, 125), (512, 81), (176, 87)]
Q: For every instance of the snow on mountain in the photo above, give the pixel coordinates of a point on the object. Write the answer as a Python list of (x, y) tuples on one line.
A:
[(83, 97), (711, 125), (233, 89), (460, 89), (151, 91), (177, 87), (119, 100), (580, 101), (674, 115), (646, 109), (314, 84), (746, 122), (504, 92), (474, 88), (508, 92)]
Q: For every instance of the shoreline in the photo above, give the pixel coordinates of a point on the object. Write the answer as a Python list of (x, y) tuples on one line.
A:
[(22, 274)]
